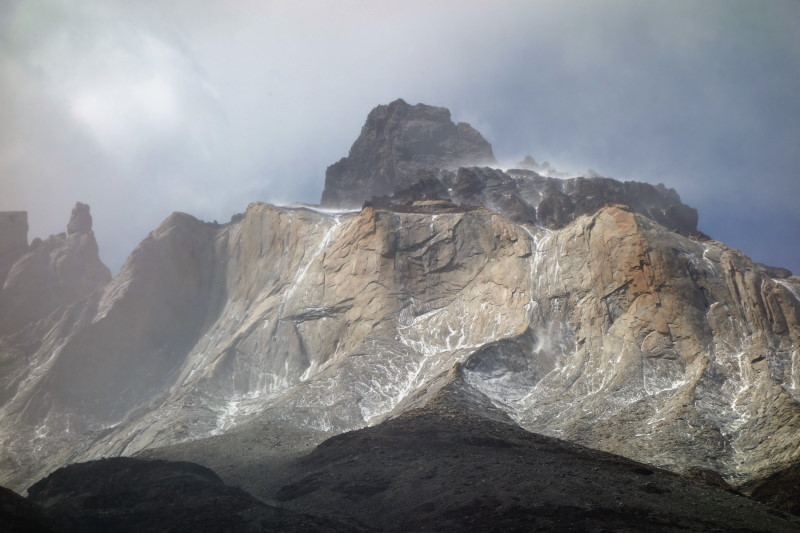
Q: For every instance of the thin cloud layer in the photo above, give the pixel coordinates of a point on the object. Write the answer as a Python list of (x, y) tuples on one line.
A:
[(144, 108)]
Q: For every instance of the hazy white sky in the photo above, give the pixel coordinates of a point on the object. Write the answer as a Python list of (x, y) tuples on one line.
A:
[(141, 108)]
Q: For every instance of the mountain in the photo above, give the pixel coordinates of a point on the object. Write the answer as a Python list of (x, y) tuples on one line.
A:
[(584, 309), (398, 142), (409, 153)]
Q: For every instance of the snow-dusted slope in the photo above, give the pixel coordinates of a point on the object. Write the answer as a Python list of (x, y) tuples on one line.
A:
[(654, 346), (332, 319)]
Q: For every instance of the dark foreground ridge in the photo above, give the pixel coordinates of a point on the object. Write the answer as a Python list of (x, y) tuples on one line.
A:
[(529, 198), (445, 469), (456, 465), (124, 494), (440, 468)]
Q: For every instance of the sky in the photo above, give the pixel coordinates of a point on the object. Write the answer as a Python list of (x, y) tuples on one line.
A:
[(141, 108)]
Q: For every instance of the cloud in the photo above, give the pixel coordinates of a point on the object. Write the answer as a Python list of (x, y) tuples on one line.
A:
[(142, 108)]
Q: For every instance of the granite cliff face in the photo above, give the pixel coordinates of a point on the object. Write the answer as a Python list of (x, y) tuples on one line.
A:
[(590, 320), (653, 346)]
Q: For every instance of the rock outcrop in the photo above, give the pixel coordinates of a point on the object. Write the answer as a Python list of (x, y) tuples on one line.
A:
[(396, 143), (775, 272), (529, 198), (407, 153), (780, 490), (50, 274), (80, 221)]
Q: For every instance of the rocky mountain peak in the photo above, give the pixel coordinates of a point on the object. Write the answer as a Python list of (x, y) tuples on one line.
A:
[(80, 221), (397, 141), (49, 274), (408, 153)]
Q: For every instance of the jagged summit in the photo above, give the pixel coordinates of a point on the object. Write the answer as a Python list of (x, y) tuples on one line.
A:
[(50, 273), (80, 221), (409, 153), (397, 141), (544, 168)]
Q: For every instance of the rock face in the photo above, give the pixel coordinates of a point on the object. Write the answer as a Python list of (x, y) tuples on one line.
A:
[(572, 317), (81, 219), (396, 143), (50, 274), (529, 198), (775, 272)]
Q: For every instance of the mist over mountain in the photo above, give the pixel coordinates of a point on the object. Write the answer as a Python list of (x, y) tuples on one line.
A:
[(487, 321), (144, 108)]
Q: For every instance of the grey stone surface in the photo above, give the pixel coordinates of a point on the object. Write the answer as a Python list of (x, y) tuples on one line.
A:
[(397, 141), (407, 153)]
